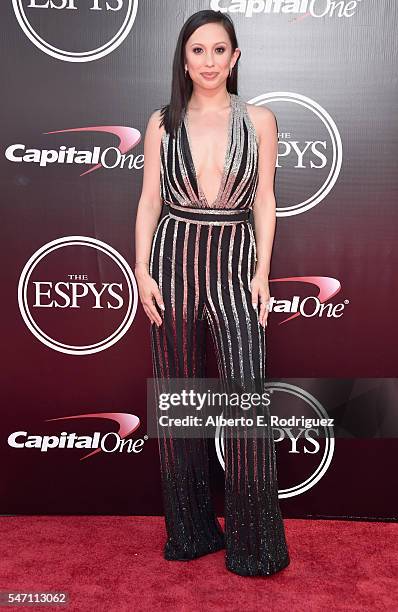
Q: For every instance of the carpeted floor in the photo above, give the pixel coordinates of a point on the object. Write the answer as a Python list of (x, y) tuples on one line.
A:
[(116, 563)]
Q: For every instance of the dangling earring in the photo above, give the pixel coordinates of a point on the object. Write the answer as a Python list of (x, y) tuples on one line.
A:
[(230, 70), (186, 72)]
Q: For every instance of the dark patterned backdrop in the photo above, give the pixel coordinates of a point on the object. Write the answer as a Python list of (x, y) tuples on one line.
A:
[(80, 80)]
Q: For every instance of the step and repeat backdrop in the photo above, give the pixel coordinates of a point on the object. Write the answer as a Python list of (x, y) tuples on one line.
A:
[(79, 82)]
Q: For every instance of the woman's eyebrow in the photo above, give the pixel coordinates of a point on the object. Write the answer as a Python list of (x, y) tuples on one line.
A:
[(217, 43)]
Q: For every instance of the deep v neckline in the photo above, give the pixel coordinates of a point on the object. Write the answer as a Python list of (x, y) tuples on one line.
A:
[(201, 194)]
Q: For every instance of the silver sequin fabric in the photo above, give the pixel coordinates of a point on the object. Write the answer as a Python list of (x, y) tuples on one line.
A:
[(203, 259), (238, 184)]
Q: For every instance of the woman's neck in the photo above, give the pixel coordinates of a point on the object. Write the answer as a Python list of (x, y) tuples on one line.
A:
[(209, 100)]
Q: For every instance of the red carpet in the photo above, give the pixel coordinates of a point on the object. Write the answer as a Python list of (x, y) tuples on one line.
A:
[(115, 563)]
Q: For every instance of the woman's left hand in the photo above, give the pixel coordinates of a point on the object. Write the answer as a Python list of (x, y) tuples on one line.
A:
[(260, 294)]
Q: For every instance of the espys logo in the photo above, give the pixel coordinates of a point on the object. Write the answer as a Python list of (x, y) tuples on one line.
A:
[(77, 295), (313, 305), (108, 158), (98, 26), (310, 165), (312, 448), (111, 442), (302, 8)]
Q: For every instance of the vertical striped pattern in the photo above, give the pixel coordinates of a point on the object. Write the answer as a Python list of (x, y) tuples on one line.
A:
[(204, 269), (178, 180)]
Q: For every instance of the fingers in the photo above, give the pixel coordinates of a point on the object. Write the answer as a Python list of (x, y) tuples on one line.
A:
[(263, 314), (158, 297), (149, 304), (152, 313), (255, 296), (260, 296)]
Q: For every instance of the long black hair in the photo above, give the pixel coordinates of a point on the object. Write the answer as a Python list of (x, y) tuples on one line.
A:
[(181, 84)]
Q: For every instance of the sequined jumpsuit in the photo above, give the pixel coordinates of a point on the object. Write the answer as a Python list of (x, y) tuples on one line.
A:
[(203, 258)]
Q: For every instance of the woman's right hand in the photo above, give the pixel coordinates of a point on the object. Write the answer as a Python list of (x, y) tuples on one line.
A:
[(149, 290)]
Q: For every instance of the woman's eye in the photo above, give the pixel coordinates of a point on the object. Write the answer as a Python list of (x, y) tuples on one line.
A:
[(218, 49)]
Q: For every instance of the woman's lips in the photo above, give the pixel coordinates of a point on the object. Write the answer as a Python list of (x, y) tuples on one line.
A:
[(209, 75)]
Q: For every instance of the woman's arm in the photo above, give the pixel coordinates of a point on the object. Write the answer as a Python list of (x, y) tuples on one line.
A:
[(148, 213), (264, 208), (149, 205)]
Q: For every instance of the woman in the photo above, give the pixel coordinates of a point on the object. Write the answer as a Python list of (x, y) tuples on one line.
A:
[(201, 268)]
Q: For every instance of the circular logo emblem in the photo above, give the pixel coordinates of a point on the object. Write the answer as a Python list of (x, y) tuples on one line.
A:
[(108, 21), (315, 445), (77, 295), (310, 151)]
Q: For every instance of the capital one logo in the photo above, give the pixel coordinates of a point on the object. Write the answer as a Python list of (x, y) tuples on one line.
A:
[(311, 448), (108, 158), (311, 306), (310, 151), (300, 8), (103, 23), (77, 295), (111, 442)]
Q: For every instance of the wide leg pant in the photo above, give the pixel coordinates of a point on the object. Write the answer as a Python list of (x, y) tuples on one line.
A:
[(203, 264)]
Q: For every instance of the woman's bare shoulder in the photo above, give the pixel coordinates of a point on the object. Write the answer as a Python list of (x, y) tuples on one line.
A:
[(262, 118), (262, 113), (153, 126)]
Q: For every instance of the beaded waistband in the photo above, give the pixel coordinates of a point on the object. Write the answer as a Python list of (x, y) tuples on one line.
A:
[(208, 216)]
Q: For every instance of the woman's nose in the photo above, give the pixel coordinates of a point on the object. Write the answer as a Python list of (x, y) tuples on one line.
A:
[(209, 60)]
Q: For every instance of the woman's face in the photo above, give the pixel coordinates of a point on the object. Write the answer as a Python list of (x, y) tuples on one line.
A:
[(209, 56)]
